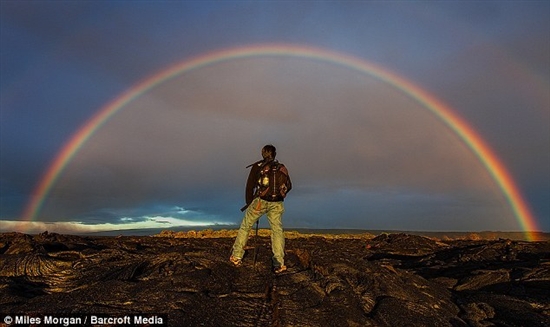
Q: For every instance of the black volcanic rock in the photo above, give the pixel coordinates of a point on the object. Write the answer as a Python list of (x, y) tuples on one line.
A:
[(389, 280)]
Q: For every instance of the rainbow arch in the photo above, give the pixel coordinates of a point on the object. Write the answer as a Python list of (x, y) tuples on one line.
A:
[(459, 126)]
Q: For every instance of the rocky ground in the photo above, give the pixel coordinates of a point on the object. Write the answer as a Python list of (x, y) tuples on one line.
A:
[(388, 280)]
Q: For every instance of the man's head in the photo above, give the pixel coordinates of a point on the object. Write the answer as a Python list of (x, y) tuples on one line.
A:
[(269, 152)]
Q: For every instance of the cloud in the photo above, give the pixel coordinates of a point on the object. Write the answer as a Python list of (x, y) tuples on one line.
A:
[(76, 227), (187, 141), (152, 217)]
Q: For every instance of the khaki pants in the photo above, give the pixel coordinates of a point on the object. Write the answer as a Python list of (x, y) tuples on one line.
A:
[(274, 213)]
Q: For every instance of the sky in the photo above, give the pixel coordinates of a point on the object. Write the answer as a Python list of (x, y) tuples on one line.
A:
[(362, 151)]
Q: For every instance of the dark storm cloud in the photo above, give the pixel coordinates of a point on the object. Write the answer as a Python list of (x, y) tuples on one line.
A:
[(345, 135), (355, 148)]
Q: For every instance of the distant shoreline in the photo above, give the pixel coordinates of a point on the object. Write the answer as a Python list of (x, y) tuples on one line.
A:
[(360, 233), (227, 231)]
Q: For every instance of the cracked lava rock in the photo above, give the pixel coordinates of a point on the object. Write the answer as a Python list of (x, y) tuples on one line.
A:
[(388, 280)]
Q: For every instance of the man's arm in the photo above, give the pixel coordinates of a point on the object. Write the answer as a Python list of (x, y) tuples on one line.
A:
[(288, 182), (251, 184)]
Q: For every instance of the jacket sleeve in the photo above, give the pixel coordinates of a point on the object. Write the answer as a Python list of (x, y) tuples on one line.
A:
[(288, 182), (251, 183)]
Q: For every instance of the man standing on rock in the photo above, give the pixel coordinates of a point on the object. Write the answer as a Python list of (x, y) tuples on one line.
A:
[(266, 188)]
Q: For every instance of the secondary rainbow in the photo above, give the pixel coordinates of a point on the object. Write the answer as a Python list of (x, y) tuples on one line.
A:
[(459, 126)]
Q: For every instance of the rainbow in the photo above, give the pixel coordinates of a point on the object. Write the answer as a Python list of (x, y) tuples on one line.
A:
[(460, 127)]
